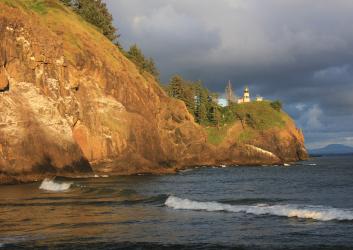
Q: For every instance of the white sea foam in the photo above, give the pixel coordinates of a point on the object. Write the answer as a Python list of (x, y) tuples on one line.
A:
[(186, 170), (299, 211), (100, 176), (51, 185)]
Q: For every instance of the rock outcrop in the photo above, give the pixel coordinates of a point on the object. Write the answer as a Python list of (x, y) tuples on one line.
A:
[(71, 102), (4, 81), (275, 145)]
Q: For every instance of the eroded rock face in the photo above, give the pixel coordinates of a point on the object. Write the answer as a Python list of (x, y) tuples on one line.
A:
[(4, 82), (68, 104), (76, 103), (277, 145), (37, 111)]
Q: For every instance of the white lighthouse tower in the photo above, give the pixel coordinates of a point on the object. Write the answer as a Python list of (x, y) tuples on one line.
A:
[(246, 95)]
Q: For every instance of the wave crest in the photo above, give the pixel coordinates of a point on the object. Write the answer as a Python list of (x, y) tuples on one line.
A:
[(299, 211), (51, 185)]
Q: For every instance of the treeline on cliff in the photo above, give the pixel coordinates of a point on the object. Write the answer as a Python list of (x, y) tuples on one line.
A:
[(203, 105), (200, 102)]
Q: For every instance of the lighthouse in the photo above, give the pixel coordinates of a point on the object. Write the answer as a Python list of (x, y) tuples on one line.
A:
[(246, 95)]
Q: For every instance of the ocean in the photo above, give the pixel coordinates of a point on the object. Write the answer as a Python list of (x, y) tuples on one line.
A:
[(307, 205)]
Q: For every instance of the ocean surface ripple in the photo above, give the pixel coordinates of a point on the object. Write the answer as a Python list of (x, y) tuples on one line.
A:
[(306, 205)]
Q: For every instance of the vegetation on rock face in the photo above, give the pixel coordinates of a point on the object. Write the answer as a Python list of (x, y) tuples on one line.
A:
[(216, 135), (37, 6), (276, 105), (200, 102), (252, 117), (96, 13), (257, 115), (143, 64), (204, 106)]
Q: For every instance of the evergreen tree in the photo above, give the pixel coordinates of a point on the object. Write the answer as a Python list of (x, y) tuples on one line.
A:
[(175, 89), (214, 115), (96, 13), (199, 101), (152, 68), (137, 57)]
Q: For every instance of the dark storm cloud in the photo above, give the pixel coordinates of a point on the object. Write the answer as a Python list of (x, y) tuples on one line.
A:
[(298, 51)]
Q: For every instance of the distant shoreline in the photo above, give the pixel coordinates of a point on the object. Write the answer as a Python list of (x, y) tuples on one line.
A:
[(333, 154)]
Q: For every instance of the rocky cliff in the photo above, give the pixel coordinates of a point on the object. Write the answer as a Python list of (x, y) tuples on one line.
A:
[(72, 103)]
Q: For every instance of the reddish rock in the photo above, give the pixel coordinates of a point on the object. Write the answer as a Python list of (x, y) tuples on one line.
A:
[(4, 82)]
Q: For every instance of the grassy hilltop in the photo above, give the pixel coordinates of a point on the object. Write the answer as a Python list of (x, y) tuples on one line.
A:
[(250, 119)]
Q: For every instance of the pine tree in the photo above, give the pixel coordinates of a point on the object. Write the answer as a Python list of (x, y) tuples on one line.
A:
[(152, 68), (96, 13), (176, 86), (199, 101), (138, 58)]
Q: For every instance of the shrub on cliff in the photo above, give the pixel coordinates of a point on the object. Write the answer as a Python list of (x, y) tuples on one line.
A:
[(143, 64), (96, 13), (66, 2), (276, 105)]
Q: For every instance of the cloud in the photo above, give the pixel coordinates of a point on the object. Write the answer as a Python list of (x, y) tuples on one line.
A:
[(300, 106), (334, 73), (298, 51), (310, 118)]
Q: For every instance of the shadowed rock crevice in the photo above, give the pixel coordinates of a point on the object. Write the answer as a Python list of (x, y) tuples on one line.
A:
[(4, 81), (46, 166)]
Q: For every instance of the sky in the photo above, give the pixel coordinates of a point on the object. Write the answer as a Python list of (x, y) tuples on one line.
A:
[(297, 51)]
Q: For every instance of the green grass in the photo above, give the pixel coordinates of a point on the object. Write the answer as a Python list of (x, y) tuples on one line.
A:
[(9, 3), (38, 6), (216, 135), (258, 115), (246, 136)]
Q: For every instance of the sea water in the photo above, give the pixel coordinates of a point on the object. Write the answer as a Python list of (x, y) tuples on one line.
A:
[(307, 205)]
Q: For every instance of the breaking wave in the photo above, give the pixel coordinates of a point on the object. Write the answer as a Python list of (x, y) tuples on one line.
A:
[(101, 176), (51, 185), (300, 211)]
